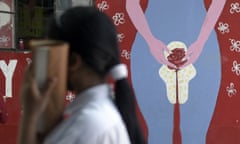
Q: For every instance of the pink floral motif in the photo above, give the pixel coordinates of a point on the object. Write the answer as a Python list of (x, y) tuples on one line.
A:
[(236, 68), (223, 27), (118, 18), (29, 60), (126, 54), (231, 90), (235, 45), (103, 6), (70, 97), (235, 7), (120, 37)]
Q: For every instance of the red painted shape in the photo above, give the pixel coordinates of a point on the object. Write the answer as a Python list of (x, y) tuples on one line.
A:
[(9, 130), (177, 138), (3, 111), (225, 124)]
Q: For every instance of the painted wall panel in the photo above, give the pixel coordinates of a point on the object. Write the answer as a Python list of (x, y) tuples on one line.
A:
[(12, 67), (210, 112)]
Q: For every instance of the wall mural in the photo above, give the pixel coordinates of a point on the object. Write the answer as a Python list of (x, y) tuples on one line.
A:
[(184, 64), (196, 100)]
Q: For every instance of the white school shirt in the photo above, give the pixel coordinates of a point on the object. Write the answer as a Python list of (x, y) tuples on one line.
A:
[(93, 119)]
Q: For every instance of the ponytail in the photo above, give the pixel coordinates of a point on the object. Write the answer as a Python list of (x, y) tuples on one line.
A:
[(125, 103)]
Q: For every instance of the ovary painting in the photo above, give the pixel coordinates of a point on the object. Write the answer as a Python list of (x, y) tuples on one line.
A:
[(184, 65)]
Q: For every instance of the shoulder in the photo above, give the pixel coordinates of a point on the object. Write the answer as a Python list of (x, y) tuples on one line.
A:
[(115, 135), (99, 117), (95, 124), (103, 124)]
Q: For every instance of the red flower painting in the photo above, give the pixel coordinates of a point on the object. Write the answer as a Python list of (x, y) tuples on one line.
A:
[(177, 57)]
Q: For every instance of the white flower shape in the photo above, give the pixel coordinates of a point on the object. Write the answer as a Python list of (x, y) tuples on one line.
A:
[(118, 18), (223, 27), (120, 37), (70, 97), (234, 8), (236, 68), (29, 60), (235, 45), (231, 90), (103, 6), (126, 54)]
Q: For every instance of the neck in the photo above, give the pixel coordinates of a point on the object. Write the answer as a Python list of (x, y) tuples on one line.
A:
[(86, 80), (83, 86)]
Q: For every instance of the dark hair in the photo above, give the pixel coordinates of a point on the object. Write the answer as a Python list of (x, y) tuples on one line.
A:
[(91, 34)]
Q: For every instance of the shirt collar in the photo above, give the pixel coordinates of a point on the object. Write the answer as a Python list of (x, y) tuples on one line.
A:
[(98, 92)]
